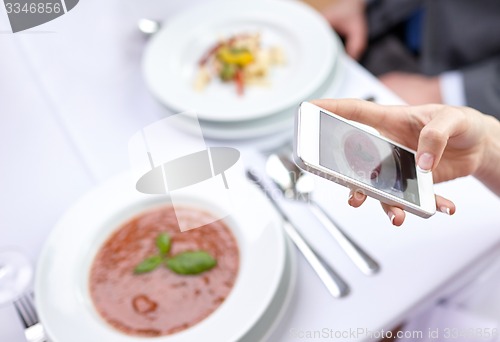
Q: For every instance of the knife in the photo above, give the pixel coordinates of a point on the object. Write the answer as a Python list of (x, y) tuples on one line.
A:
[(333, 282)]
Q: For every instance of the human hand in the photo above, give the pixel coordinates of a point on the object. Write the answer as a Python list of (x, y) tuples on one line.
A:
[(348, 19), (415, 89), (450, 141)]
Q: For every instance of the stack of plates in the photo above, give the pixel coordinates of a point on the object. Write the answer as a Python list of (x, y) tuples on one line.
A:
[(311, 48)]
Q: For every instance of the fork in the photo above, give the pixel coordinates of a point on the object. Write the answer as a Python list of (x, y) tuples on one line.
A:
[(33, 329)]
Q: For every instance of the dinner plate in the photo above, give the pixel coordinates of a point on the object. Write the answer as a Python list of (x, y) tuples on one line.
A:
[(269, 321), (272, 124), (61, 284), (171, 58)]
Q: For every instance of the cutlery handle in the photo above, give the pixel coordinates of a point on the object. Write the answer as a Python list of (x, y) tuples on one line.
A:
[(360, 258), (333, 282)]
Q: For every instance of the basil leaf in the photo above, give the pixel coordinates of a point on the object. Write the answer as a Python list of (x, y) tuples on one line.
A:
[(148, 264), (191, 262), (163, 242)]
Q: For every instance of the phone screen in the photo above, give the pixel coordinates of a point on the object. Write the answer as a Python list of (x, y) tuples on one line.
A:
[(367, 158)]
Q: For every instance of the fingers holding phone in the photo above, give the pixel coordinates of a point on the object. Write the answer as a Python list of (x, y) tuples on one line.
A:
[(354, 156), (450, 142)]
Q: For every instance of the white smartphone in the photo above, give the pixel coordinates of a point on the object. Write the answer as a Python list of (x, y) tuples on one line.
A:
[(353, 155)]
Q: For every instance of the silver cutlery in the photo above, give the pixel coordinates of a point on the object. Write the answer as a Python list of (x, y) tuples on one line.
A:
[(297, 185), (26, 310), (332, 281), (148, 26)]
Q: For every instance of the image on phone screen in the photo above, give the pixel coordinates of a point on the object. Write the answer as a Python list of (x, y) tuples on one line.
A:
[(367, 158)]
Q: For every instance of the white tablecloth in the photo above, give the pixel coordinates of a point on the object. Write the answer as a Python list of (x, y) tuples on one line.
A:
[(72, 94)]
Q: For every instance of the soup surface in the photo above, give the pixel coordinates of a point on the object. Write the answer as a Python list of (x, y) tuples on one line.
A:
[(161, 302)]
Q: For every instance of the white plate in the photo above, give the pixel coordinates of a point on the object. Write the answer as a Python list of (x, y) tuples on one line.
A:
[(243, 130), (61, 284), (272, 124), (284, 295), (171, 58)]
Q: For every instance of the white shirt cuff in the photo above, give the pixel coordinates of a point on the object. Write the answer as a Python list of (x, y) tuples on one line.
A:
[(452, 88)]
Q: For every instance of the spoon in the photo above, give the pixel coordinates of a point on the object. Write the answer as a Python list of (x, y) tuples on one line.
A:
[(332, 281), (148, 26)]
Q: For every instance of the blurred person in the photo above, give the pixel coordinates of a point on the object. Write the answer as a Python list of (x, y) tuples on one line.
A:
[(450, 141), (426, 51)]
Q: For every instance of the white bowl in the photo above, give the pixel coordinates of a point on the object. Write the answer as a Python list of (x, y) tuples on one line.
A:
[(61, 284)]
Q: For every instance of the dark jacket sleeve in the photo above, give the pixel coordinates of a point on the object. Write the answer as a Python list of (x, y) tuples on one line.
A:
[(482, 86), (383, 15)]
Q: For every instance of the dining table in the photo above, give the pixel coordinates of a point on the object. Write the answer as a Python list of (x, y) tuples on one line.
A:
[(72, 94)]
